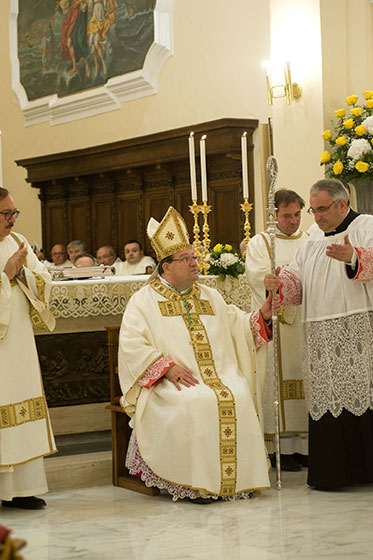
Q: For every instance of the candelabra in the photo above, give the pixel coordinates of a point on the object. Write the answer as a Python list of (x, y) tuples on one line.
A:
[(205, 209), (195, 209), (246, 207)]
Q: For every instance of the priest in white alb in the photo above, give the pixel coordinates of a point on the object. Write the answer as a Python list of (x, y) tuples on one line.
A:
[(332, 274), (25, 429), (293, 411), (187, 369)]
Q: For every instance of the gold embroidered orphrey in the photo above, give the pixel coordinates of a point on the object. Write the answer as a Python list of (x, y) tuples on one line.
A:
[(202, 350), (19, 413)]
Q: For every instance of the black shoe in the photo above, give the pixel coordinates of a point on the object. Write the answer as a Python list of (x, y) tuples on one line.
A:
[(301, 459), (30, 502), (201, 500), (288, 463)]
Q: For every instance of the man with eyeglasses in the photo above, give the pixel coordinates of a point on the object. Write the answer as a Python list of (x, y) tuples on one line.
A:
[(25, 429), (59, 258), (293, 411), (332, 273), (187, 371)]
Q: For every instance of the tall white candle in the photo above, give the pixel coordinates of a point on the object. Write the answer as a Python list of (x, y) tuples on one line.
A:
[(245, 177), (202, 153), (192, 163), (1, 165)]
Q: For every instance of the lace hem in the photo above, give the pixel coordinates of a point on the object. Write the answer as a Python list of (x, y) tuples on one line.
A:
[(290, 289), (365, 269), (338, 365), (156, 372), (137, 466)]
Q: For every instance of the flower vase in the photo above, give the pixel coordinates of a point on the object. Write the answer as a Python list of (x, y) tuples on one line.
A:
[(364, 195)]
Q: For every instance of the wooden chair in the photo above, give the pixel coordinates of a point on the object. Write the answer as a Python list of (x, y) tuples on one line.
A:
[(120, 430)]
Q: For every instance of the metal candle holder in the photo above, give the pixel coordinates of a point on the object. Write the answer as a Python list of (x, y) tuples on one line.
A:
[(195, 209), (246, 207)]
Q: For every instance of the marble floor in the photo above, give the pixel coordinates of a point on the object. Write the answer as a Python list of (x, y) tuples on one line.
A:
[(112, 523)]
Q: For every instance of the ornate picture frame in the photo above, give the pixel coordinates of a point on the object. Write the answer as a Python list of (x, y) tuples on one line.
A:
[(73, 59)]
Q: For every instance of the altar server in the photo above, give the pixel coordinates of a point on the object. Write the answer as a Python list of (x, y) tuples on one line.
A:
[(293, 411), (187, 364), (333, 275), (25, 430)]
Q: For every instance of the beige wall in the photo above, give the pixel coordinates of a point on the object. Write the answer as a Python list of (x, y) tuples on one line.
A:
[(295, 36), (347, 46)]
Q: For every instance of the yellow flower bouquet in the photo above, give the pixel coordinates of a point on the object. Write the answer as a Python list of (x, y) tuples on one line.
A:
[(350, 155), (224, 260)]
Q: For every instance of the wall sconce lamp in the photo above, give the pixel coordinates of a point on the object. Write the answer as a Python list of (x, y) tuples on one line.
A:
[(290, 90)]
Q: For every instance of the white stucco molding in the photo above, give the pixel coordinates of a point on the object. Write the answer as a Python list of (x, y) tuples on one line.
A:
[(133, 85)]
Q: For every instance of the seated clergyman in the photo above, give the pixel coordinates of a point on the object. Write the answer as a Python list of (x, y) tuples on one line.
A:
[(85, 259), (75, 248), (187, 364), (107, 256), (136, 262), (59, 258)]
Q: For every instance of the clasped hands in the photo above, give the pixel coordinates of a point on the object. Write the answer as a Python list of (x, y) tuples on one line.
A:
[(15, 263)]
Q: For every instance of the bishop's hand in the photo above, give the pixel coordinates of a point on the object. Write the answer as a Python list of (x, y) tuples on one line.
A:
[(179, 375), (340, 252)]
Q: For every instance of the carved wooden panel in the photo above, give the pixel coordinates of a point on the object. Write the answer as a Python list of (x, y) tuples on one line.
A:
[(103, 222), (156, 202), (75, 367), (129, 219)]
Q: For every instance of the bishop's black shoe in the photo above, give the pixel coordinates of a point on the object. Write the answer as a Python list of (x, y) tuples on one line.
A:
[(29, 502)]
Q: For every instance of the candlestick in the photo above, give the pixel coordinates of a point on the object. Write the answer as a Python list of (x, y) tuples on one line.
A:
[(245, 177), (192, 163), (246, 207), (205, 209), (195, 210), (202, 152)]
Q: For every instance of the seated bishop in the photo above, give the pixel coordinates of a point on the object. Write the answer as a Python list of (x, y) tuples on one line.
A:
[(187, 363)]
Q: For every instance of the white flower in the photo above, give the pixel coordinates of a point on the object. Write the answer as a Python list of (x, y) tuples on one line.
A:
[(368, 123), (358, 148), (227, 259), (209, 259)]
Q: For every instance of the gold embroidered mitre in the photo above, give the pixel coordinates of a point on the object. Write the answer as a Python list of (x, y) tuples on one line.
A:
[(170, 236)]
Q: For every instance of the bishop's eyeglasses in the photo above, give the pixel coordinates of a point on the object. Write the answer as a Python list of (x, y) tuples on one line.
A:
[(187, 260)]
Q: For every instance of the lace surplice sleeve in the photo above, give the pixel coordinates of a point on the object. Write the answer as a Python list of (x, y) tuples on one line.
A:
[(155, 372), (363, 271), (291, 288)]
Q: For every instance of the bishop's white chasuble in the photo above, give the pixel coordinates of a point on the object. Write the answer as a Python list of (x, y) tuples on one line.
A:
[(206, 437)]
